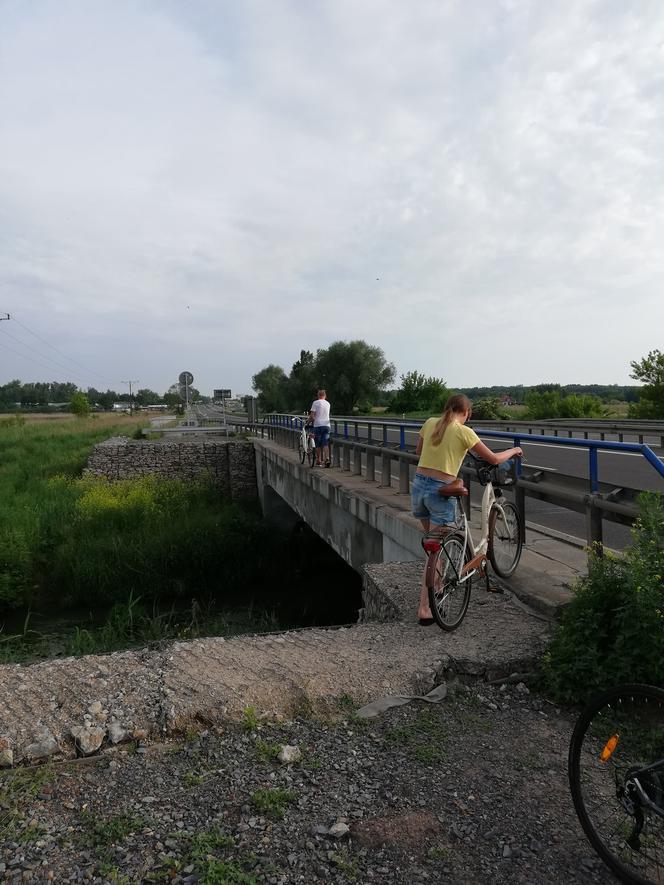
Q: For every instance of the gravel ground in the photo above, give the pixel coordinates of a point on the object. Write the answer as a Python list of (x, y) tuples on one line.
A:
[(473, 790)]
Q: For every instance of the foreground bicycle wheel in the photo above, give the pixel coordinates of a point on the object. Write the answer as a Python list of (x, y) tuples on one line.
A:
[(449, 590), (303, 452), (616, 775), (505, 543)]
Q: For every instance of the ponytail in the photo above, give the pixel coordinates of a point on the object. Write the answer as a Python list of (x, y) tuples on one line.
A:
[(455, 405)]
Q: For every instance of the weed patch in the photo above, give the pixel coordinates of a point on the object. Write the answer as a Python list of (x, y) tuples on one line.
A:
[(273, 802), (423, 739)]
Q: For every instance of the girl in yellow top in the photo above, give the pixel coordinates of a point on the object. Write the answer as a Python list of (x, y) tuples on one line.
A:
[(442, 446)]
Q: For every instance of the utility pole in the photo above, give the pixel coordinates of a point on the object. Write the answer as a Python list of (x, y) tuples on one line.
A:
[(131, 399)]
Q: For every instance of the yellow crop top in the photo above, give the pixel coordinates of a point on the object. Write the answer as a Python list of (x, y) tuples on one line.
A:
[(448, 455)]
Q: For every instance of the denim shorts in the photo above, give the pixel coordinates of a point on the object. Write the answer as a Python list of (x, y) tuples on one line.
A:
[(322, 436), (428, 504)]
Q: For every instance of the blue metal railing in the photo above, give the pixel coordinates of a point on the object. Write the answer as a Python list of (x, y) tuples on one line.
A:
[(402, 427)]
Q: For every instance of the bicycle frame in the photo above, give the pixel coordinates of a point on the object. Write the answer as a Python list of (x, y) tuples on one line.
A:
[(644, 799), (478, 552)]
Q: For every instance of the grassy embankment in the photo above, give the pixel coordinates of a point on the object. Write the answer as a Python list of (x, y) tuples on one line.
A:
[(113, 552)]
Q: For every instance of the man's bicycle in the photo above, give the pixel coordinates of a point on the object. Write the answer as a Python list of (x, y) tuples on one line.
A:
[(453, 557), (616, 775), (307, 445)]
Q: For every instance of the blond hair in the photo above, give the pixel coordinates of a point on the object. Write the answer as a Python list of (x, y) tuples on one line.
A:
[(456, 405)]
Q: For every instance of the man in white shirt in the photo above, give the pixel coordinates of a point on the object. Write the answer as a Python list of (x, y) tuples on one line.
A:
[(320, 415)]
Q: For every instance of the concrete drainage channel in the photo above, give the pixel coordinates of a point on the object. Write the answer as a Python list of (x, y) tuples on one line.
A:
[(80, 706)]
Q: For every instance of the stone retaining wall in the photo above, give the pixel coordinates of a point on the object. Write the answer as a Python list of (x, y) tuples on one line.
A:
[(230, 463)]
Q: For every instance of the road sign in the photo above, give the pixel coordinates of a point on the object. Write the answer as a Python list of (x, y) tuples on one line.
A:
[(186, 378), (222, 393)]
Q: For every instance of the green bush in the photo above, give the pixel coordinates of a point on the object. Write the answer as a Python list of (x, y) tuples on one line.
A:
[(489, 409), (613, 630)]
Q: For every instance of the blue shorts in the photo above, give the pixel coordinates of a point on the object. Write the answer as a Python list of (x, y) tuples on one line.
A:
[(428, 504), (322, 436)]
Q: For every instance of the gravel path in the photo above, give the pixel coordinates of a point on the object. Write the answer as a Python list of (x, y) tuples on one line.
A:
[(472, 790)]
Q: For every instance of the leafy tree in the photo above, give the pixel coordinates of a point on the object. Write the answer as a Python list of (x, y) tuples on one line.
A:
[(650, 370), (352, 372), (172, 397), (419, 393), (271, 386), (79, 404), (147, 397), (106, 399), (302, 382)]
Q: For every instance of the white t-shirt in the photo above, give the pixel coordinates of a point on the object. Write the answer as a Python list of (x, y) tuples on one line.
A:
[(321, 410)]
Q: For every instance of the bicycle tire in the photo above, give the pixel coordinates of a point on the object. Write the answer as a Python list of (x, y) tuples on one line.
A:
[(627, 722), (311, 452), (505, 544), (303, 453), (448, 594)]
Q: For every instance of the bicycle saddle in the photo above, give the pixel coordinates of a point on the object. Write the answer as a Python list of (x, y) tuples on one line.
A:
[(455, 489)]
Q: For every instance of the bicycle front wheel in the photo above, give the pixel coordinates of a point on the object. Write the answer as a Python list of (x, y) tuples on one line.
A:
[(505, 543), (449, 589), (311, 452), (616, 775), (303, 452)]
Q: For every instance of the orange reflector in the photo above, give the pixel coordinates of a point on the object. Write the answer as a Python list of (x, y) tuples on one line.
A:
[(609, 748)]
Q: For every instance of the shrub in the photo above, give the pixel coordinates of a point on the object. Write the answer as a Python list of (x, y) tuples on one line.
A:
[(489, 410), (613, 630)]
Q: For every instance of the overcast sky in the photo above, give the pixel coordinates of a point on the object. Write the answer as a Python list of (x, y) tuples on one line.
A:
[(475, 186)]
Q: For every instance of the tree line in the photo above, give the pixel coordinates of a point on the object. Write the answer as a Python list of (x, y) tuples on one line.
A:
[(42, 393), (357, 377)]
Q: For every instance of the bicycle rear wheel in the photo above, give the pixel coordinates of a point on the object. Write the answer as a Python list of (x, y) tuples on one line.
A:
[(302, 452), (505, 543), (618, 735), (311, 452), (449, 590)]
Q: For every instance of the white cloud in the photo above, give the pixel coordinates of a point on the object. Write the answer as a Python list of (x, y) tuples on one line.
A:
[(216, 185)]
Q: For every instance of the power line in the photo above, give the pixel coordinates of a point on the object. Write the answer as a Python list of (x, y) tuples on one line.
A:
[(42, 358), (26, 356), (68, 358)]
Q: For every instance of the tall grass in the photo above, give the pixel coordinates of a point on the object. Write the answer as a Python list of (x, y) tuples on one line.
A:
[(70, 541)]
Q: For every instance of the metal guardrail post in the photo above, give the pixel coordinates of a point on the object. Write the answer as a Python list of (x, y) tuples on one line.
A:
[(346, 457), (404, 477), (594, 526), (384, 434), (371, 467), (520, 504), (357, 460), (386, 470), (336, 456), (369, 435), (402, 438), (592, 469), (345, 429)]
